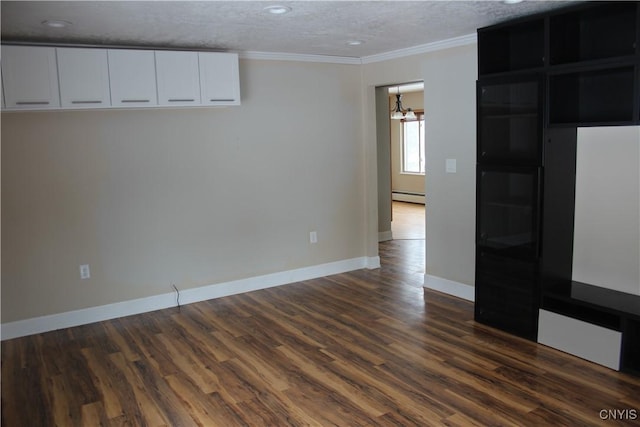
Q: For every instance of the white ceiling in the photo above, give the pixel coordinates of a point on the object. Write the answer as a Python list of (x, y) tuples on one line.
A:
[(310, 28)]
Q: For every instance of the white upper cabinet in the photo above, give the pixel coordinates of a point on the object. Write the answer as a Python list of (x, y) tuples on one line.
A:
[(178, 78), (84, 78), (30, 77), (219, 78), (41, 78), (133, 78)]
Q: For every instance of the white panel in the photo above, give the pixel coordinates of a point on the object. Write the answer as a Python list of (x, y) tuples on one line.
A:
[(84, 78), (30, 77), (582, 339), (607, 217), (178, 77), (132, 74), (219, 78)]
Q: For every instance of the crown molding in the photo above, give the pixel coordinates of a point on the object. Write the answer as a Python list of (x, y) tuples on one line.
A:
[(415, 50), (425, 48), (282, 56)]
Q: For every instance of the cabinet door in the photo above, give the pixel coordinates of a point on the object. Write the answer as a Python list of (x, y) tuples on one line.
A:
[(219, 78), (510, 121), (508, 210), (132, 74), (30, 77), (84, 78), (505, 308), (178, 77)]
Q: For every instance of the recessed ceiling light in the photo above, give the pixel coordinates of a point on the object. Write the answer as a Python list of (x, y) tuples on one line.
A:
[(354, 42), (56, 23), (511, 1), (277, 9)]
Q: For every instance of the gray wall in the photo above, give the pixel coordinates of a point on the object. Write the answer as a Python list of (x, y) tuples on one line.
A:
[(384, 162), (186, 196), (204, 196)]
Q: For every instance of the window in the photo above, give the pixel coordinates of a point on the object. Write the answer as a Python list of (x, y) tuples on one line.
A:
[(413, 145)]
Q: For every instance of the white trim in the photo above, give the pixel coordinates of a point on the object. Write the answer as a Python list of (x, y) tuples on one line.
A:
[(283, 56), (450, 287), (385, 236), (410, 198), (84, 316), (400, 53), (425, 48), (373, 262)]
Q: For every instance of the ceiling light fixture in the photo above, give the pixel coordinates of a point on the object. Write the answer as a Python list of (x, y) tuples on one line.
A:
[(400, 113), (277, 9), (56, 23), (511, 1), (354, 42)]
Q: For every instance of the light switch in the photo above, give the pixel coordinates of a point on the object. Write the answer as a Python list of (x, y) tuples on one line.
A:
[(450, 165)]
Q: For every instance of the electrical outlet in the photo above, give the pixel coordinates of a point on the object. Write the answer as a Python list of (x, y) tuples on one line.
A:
[(313, 237), (85, 273)]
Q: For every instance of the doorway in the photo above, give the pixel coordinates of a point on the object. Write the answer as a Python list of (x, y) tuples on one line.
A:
[(401, 158), (401, 194)]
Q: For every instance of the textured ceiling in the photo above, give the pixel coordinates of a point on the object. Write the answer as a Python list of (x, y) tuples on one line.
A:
[(312, 27)]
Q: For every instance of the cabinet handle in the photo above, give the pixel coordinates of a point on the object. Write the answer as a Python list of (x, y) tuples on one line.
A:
[(221, 100), (86, 102), (181, 100), (32, 103), (134, 100)]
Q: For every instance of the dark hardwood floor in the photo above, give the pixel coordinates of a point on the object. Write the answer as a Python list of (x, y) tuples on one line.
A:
[(366, 348)]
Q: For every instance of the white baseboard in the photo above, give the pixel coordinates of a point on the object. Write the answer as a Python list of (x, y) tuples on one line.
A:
[(450, 287), (411, 198), (373, 262), (84, 316)]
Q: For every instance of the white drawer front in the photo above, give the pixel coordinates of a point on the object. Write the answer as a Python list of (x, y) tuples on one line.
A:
[(582, 339)]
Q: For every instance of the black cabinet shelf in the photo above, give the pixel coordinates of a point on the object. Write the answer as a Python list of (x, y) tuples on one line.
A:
[(592, 96), (514, 116), (603, 307)]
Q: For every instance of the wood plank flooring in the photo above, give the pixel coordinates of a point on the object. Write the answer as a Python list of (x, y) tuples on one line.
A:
[(365, 348), (408, 221)]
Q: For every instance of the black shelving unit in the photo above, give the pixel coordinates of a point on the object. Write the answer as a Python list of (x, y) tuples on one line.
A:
[(540, 78)]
